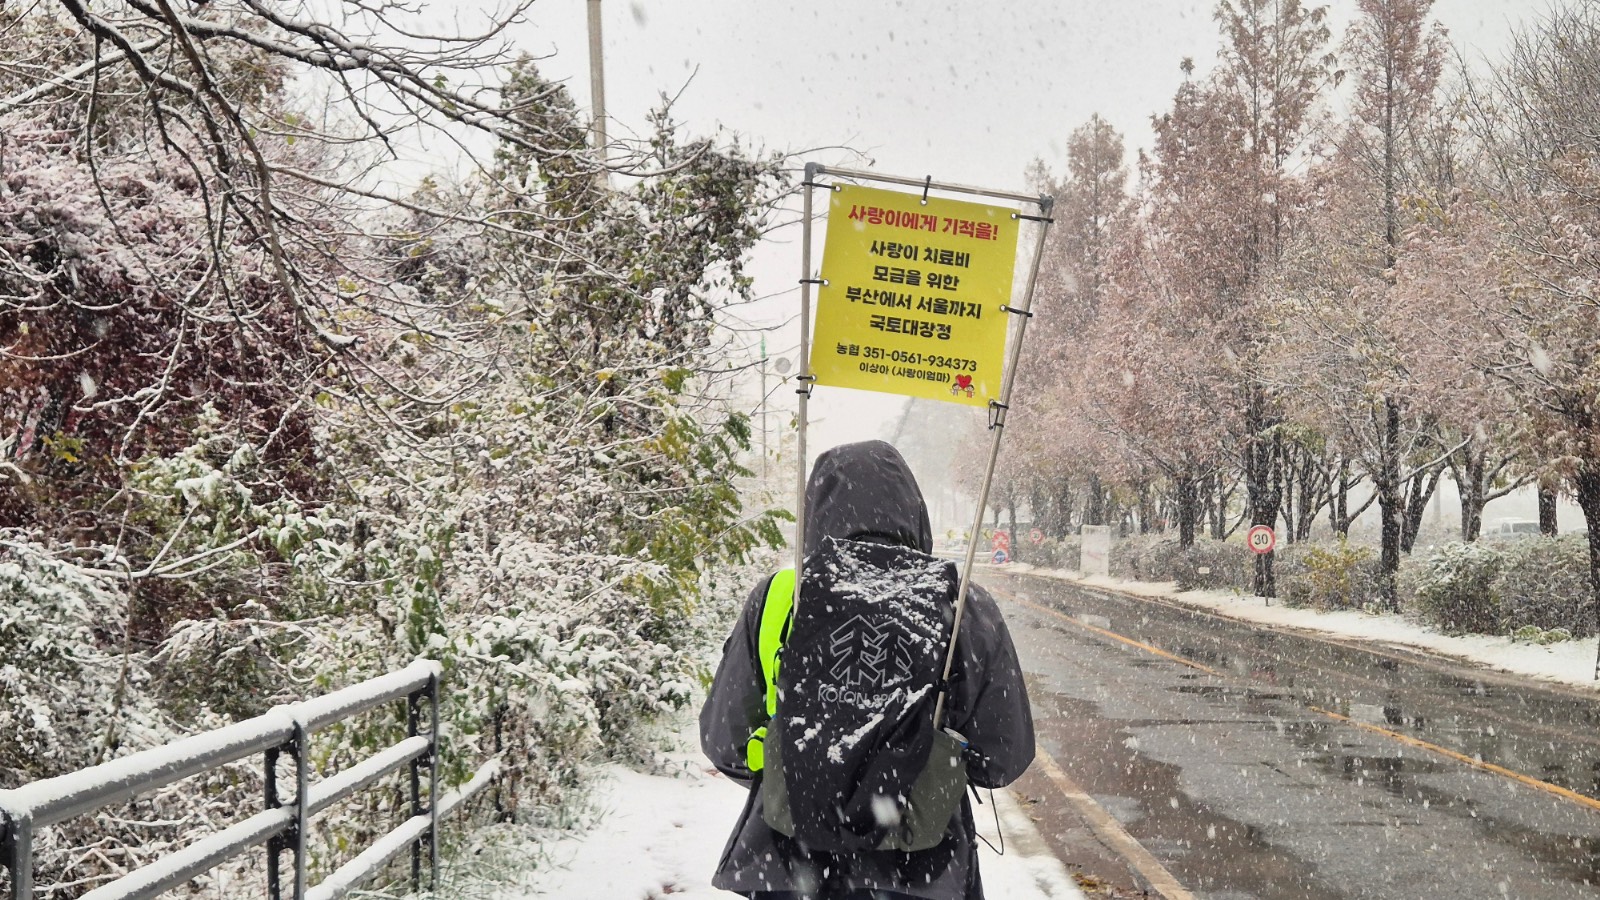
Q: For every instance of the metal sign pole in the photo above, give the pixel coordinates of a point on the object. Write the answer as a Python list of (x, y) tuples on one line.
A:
[(997, 413), (805, 377)]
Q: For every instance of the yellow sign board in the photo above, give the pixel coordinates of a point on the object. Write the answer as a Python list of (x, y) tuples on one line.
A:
[(911, 295)]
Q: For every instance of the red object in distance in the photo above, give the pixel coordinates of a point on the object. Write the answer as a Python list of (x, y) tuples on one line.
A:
[(1261, 539)]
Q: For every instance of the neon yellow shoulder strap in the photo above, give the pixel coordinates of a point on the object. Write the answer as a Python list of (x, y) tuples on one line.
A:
[(774, 618), (769, 640)]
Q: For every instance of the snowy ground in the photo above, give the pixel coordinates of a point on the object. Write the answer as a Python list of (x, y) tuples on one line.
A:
[(1568, 662), (660, 837)]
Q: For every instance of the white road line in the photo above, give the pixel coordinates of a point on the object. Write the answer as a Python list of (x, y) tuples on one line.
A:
[(1111, 832)]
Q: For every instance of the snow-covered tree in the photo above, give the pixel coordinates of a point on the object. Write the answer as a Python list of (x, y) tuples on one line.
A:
[(1348, 352), (1054, 443), (266, 430), (1535, 119)]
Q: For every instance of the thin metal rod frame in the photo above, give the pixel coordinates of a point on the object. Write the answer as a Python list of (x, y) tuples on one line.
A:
[(812, 170), (1024, 316), (1044, 205), (434, 753), (270, 802), (414, 777), (806, 279)]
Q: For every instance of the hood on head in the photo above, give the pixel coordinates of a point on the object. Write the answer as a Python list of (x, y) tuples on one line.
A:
[(866, 492)]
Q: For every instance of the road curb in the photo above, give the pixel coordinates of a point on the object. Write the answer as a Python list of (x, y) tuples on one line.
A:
[(1110, 831)]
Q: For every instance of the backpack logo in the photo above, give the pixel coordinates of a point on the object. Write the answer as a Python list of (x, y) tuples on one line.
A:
[(866, 655)]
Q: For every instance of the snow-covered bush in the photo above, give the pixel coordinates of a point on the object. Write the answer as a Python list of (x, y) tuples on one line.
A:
[(1456, 587), (562, 627), (1055, 553), (224, 589), (62, 665), (1146, 557), (1327, 576), (120, 323), (1544, 583), (75, 692), (1533, 634), (1212, 565), (1527, 587), (1324, 576), (1288, 570)]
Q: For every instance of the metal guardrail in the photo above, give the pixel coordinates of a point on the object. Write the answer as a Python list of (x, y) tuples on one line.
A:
[(280, 825)]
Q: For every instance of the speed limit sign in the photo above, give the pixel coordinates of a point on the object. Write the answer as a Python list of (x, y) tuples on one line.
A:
[(1261, 539)]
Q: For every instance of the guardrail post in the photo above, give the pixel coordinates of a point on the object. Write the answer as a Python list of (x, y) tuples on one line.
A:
[(16, 851), (413, 728), (434, 754), (500, 710), (302, 803), (275, 844)]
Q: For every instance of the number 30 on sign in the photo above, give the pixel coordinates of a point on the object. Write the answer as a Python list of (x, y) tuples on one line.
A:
[(1261, 539)]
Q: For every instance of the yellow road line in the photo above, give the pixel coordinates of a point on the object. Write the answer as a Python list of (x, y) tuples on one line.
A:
[(1111, 832), (1113, 635), (1474, 762)]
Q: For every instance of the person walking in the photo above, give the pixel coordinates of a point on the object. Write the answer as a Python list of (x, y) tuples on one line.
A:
[(865, 494)]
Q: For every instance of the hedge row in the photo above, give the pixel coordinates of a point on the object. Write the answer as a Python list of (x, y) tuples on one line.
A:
[(1522, 588), (1535, 589)]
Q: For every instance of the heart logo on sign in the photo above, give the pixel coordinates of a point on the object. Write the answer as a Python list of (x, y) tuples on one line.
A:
[(963, 381)]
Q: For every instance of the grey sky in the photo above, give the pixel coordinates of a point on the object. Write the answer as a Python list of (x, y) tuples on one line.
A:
[(967, 91), (963, 90)]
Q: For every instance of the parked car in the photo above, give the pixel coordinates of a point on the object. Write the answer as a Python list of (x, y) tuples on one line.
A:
[(1511, 529)]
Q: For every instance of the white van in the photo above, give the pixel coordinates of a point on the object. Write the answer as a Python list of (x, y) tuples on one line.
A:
[(1511, 529)]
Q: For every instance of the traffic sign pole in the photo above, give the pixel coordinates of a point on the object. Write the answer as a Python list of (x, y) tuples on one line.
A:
[(1261, 540)]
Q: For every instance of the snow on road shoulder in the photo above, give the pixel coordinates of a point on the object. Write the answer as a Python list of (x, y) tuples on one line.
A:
[(1029, 869), (1567, 662), (660, 836)]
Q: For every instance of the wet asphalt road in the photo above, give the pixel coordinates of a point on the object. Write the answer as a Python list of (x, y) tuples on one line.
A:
[(1242, 788)]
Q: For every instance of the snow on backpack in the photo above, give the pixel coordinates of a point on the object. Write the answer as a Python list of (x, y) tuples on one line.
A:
[(850, 757)]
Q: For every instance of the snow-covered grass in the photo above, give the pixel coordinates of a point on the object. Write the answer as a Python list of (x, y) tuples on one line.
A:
[(660, 834), (1565, 662)]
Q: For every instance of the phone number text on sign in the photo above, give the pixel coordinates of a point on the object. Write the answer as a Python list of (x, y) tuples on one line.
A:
[(911, 295), (939, 369)]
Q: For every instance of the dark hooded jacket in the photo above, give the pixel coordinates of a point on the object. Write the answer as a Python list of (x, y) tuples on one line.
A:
[(866, 492)]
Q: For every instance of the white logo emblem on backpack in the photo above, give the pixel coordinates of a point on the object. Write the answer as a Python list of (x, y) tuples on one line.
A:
[(864, 655)]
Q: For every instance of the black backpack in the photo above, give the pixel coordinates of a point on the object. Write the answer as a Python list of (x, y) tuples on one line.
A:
[(852, 758)]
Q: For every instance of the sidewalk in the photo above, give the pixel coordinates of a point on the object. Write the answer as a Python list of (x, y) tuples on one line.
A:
[(661, 835), (1570, 663)]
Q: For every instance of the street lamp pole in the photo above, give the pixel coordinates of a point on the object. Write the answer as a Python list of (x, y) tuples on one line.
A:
[(597, 78)]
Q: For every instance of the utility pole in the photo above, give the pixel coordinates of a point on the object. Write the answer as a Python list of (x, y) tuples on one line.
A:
[(597, 79), (763, 410)]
